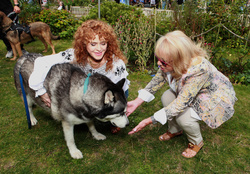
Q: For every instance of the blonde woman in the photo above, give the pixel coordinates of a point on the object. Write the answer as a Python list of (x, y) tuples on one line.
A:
[(198, 91)]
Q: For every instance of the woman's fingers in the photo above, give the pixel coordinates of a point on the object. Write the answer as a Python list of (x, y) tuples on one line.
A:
[(141, 125), (45, 98)]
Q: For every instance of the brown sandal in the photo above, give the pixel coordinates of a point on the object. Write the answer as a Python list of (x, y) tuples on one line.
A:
[(192, 150), (168, 135)]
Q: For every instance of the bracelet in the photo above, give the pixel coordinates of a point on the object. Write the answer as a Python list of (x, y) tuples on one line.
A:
[(153, 120), (16, 5)]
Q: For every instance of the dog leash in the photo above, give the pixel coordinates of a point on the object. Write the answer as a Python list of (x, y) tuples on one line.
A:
[(15, 26), (86, 83), (25, 101), (15, 18)]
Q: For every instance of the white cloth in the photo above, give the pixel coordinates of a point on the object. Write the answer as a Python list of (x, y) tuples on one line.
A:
[(42, 66), (145, 95), (171, 83), (160, 116)]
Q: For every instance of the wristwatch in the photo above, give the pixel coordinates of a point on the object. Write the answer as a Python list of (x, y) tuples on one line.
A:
[(153, 119), (16, 5)]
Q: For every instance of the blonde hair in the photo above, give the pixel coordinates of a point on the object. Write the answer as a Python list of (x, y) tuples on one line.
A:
[(180, 49), (87, 32)]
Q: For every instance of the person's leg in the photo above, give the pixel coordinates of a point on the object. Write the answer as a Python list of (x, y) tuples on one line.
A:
[(167, 97), (7, 44), (173, 128), (191, 127), (163, 4)]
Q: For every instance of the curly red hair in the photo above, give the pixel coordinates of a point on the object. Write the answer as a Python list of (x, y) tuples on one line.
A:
[(86, 33)]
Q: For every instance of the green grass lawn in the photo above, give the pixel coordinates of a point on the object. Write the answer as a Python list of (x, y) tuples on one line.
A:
[(42, 149)]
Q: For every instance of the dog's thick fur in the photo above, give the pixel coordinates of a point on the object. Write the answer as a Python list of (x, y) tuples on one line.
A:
[(103, 99), (37, 29)]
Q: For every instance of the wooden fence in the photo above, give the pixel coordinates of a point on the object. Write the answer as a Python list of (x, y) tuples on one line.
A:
[(79, 11), (152, 11), (83, 11)]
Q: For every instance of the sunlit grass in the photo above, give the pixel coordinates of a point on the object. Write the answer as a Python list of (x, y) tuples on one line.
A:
[(43, 149)]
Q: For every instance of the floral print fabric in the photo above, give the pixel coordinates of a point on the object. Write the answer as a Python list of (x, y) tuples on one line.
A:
[(203, 88)]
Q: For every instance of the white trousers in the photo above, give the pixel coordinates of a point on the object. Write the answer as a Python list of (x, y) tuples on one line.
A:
[(184, 121)]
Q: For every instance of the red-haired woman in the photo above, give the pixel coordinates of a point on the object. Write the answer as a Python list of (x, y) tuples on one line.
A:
[(95, 48)]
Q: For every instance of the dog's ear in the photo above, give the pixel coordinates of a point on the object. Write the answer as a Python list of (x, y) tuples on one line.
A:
[(109, 98), (121, 83), (4, 20)]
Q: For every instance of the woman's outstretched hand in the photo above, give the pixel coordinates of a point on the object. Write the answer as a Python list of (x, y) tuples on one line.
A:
[(132, 105), (141, 125)]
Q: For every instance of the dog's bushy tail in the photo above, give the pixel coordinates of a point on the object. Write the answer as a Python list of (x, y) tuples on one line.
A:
[(18, 68), (54, 37)]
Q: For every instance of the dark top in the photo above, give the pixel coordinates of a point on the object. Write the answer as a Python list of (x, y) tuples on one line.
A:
[(6, 6)]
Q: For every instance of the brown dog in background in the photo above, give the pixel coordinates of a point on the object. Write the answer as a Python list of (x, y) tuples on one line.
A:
[(37, 29)]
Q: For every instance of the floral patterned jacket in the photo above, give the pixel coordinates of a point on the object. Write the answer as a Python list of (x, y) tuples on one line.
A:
[(203, 88)]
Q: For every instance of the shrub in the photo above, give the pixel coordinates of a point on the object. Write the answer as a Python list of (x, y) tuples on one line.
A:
[(110, 11), (229, 16), (78, 2), (123, 29), (163, 24), (60, 21), (143, 41), (136, 35), (28, 12), (236, 69)]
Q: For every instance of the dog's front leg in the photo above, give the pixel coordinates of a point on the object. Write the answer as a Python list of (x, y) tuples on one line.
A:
[(95, 134), (14, 51), (68, 130), (18, 48)]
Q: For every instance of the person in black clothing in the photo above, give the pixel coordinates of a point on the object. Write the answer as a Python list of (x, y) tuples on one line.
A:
[(179, 2), (7, 8)]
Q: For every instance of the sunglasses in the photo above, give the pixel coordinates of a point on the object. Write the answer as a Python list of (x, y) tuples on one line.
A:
[(162, 62)]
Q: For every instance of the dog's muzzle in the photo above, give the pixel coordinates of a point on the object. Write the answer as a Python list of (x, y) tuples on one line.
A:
[(120, 122)]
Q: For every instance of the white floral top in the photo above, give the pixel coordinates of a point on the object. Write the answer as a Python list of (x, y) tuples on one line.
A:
[(43, 64), (203, 88)]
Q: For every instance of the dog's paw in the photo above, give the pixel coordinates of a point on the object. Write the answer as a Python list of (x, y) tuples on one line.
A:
[(76, 154), (99, 136), (33, 121)]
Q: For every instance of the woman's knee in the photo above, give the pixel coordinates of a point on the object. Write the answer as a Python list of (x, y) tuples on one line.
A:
[(167, 97), (184, 120)]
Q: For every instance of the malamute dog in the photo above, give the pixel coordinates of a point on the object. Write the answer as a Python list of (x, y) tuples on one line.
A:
[(103, 99)]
